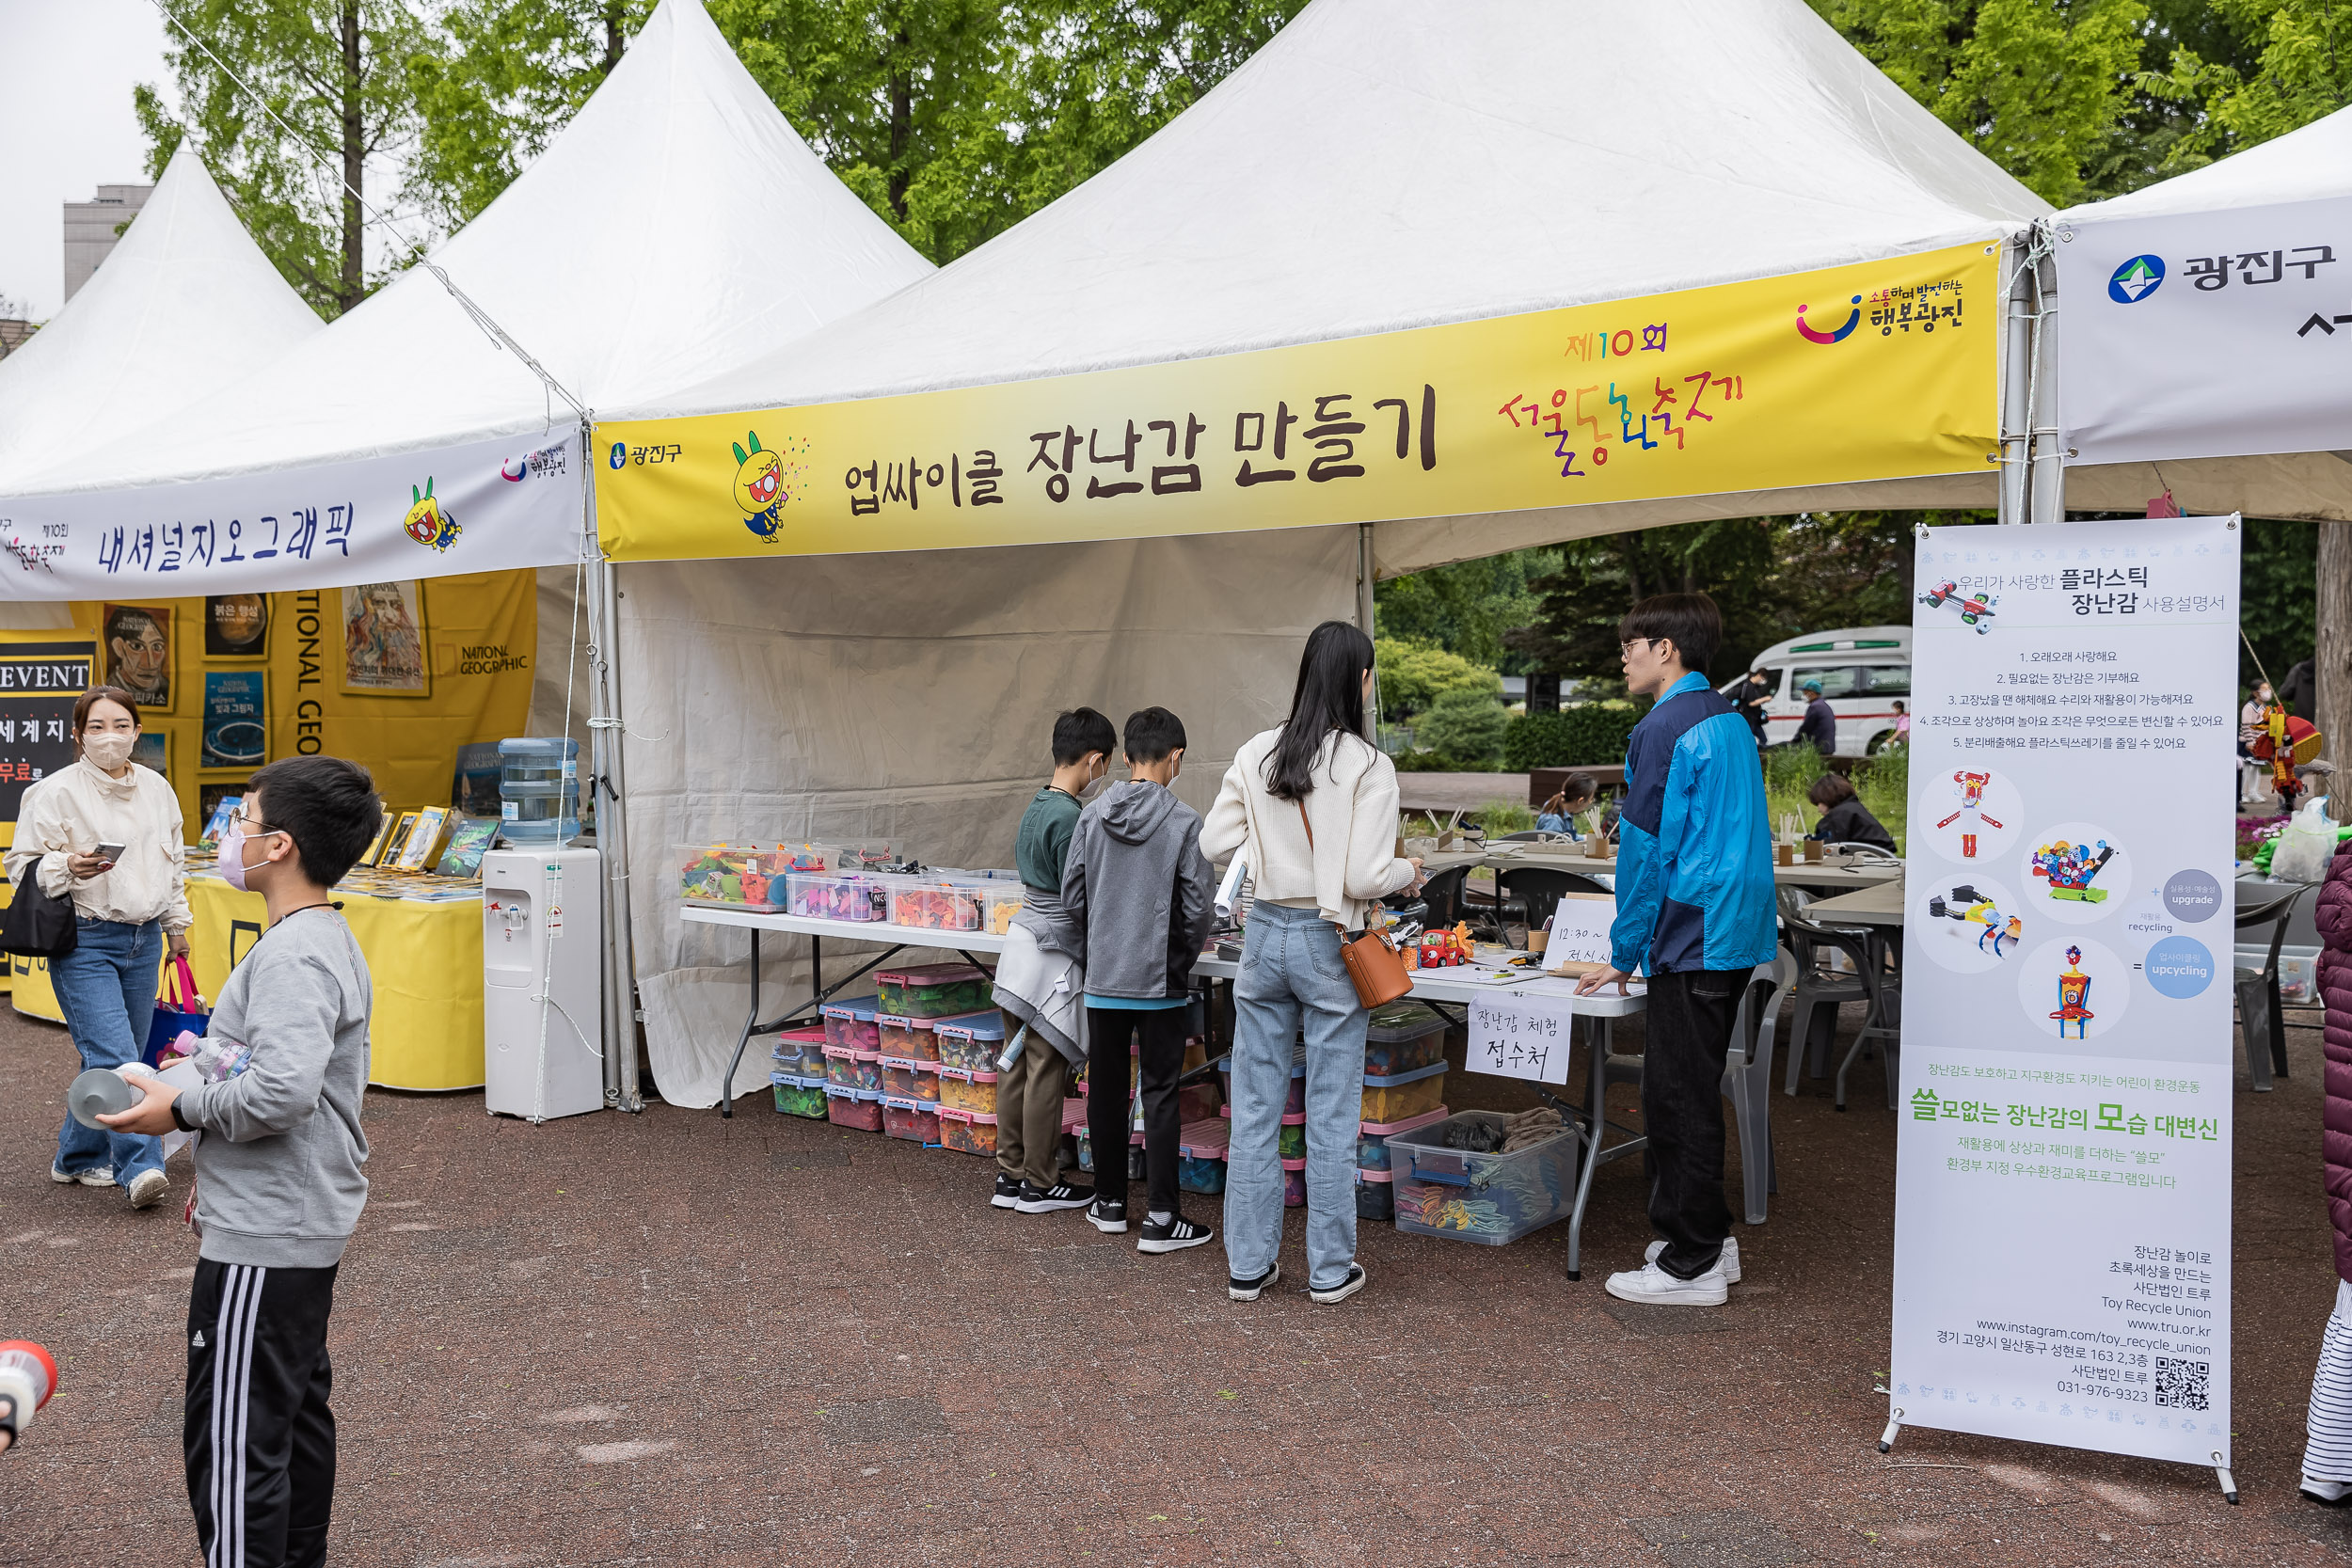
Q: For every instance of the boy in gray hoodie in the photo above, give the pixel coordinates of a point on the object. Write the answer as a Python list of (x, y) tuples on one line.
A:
[(278, 1187), (1139, 898)]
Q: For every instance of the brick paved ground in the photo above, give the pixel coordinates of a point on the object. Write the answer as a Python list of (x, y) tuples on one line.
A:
[(666, 1339)]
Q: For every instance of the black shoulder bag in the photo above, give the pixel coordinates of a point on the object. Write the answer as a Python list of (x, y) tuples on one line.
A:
[(39, 925)]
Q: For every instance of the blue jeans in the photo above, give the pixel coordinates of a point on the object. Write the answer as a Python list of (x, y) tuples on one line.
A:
[(1290, 971), (106, 989)]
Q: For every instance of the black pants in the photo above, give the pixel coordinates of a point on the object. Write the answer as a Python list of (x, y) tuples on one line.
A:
[(261, 1441), (1690, 1014), (1108, 1032)]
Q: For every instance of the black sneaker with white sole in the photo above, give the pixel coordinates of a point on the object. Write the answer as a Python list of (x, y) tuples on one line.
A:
[(1344, 1288), (1045, 1200), (1107, 1217), (1007, 1191), (1239, 1289), (1176, 1235)]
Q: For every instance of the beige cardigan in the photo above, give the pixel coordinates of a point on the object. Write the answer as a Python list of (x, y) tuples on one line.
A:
[(1354, 809), (77, 809)]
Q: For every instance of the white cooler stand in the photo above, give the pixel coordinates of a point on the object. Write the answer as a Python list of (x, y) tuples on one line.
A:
[(542, 978)]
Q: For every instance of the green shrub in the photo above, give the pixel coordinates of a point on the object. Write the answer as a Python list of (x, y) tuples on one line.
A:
[(1588, 735), (1464, 724), (1415, 675), (1499, 818)]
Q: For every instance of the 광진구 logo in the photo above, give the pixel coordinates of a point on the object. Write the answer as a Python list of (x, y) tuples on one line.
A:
[(1812, 334), (2135, 279)]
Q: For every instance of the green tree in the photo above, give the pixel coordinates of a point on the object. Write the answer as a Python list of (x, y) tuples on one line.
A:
[(1601, 577), (506, 77), (1464, 725), (337, 72), (2262, 69), (1468, 608), (1414, 674), (2277, 609)]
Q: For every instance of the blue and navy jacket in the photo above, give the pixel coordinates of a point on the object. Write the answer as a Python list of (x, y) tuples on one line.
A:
[(1694, 855)]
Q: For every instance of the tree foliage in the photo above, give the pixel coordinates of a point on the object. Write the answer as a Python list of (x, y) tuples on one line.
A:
[(1414, 674), (1467, 608), (1463, 723)]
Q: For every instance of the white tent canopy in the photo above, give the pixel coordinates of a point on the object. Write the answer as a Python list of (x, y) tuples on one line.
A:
[(1384, 165), (2204, 335), (185, 304)]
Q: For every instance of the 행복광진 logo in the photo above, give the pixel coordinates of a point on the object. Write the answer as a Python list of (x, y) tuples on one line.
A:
[(1814, 334), (2135, 279)]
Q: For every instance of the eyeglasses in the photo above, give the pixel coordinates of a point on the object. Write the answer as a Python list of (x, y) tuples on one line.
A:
[(1625, 648), (258, 825)]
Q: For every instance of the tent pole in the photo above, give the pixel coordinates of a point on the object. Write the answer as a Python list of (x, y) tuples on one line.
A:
[(2048, 469), (1364, 620), (611, 811), (2016, 379)]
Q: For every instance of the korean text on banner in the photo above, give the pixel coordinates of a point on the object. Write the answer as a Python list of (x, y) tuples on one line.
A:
[(2062, 1174), (1876, 371), (41, 674), (2221, 334), (489, 506), (1520, 1034)]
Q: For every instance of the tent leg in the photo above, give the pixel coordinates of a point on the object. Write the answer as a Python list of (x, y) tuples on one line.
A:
[(2016, 379), (612, 829), (2048, 467)]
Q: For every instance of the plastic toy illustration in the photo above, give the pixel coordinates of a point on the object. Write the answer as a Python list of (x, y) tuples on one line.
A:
[(2070, 867), (2073, 991), (1971, 807), (1976, 609), (1443, 949), (2288, 744), (426, 523), (759, 486), (1971, 908)]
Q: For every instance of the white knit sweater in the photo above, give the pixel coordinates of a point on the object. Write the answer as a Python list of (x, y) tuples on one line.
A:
[(1353, 808), (77, 809)]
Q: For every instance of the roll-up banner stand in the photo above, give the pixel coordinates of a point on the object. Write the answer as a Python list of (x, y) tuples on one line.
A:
[(2062, 1187)]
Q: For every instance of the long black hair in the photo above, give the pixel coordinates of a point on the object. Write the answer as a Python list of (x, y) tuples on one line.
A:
[(1330, 696)]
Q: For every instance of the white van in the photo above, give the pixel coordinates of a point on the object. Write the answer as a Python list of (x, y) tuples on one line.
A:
[(1863, 669)]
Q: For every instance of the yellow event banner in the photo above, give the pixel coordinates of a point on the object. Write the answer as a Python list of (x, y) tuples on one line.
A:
[(1882, 369)]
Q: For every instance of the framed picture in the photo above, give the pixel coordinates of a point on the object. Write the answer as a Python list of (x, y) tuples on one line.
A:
[(399, 841), (468, 842), (137, 652), (425, 840), (474, 786), (375, 850), (153, 749), (216, 803), (384, 637), (237, 625), (236, 719)]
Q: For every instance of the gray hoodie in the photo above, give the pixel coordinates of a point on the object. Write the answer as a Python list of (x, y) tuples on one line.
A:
[(277, 1176), (1137, 895)]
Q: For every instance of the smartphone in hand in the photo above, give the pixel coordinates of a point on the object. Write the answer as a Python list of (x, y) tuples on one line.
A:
[(109, 853)]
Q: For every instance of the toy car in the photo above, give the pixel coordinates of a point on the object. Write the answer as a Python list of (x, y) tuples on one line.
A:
[(1975, 609)]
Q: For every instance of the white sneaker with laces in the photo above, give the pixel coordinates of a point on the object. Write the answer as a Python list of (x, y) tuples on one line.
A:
[(148, 1188), (97, 1175), (1654, 1286), (1729, 1263)]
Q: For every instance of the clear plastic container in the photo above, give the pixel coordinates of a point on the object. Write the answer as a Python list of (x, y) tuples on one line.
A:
[(903, 1080), (848, 896), (1372, 1137), (935, 904), (800, 1051), (963, 1090), (1400, 1036), (539, 813), (972, 1041), (867, 854), (909, 1038), (740, 876), (529, 759), (858, 1108), (798, 1095), (1403, 1094), (1489, 1198), (935, 990), (1294, 1183), (1201, 1157), (1375, 1195), (1000, 900), (910, 1120), (847, 1069), (967, 1131), (850, 1021)]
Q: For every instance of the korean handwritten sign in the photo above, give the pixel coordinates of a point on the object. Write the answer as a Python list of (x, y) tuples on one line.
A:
[(1520, 1034), (1576, 940)]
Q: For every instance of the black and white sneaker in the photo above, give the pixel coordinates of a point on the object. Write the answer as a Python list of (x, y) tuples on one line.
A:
[(1045, 1200), (1250, 1290), (1108, 1217), (1176, 1235), (1344, 1288), (1007, 1191)]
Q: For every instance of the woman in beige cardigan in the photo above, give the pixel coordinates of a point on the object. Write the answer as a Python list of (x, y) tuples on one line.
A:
[(1311, 807)]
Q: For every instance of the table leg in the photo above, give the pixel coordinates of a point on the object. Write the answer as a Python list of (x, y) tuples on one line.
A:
[(1595, 1117), (727, 1085)]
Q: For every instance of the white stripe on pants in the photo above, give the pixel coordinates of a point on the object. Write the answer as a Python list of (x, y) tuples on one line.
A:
[(2327, 1454), (233, 1382)]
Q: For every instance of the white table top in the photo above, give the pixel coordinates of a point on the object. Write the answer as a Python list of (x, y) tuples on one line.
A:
[(1880, 905), (1854, 875), (1436, 985)]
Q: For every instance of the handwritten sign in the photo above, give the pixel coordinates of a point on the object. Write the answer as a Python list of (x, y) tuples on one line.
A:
[(1578, 939), (1520, 1034)]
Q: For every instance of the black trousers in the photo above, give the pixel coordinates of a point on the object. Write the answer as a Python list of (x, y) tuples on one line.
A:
[(261, 1441), (1691, 1015), (1109, 1030)]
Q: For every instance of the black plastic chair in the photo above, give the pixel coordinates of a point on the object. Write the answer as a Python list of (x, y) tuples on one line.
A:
[(2258, 988), (1443, 893), (1537, 889)]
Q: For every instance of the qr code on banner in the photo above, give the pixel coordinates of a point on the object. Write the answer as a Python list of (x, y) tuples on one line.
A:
[(2182, 1384)]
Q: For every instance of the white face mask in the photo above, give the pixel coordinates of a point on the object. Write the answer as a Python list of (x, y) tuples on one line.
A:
[(233, 843), (108, 749)]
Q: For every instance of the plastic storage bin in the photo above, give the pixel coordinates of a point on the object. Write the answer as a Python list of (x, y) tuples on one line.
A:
[(1372, 1137), (798, 1095), (909, 1038), (936, 990), (906, 1080), (866, 854), (1201, 1157), (851, 1022), (1489, 1199), (858, 1108), (846, 895), (967, 1131), (800, 1051), (972, 1041), (967, 1091), (741, 876), (1403, 1035), (1403, 1094), (936, 903), (1294, 1183), (848, 1069), (1375, 1195), (910, 1120)]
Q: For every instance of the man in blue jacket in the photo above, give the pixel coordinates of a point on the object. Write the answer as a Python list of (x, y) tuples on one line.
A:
[(1695, 909)]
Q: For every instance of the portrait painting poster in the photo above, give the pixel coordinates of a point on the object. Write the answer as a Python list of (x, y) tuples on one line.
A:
[(135, 646), (384, 639)]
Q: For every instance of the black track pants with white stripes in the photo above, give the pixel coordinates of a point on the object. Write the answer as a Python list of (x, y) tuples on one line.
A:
[(261, 1440)]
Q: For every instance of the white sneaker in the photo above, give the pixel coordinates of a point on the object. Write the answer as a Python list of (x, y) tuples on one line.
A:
[(97, 1175), (148, 1188), (1728, 1262), (1654, 1285)]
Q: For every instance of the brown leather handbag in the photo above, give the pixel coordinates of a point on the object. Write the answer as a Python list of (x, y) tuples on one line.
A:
[(1373, 961)]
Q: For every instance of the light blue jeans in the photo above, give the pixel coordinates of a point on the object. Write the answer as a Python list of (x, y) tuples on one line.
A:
[(1292, 972), (106, 989)]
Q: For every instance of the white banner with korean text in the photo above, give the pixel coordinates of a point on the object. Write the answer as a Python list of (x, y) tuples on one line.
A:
[(2062, 1173), (484, 507), (2219, 334)]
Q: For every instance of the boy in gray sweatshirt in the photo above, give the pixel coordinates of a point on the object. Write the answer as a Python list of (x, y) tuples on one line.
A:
[(1139, 898), (278, 1186)]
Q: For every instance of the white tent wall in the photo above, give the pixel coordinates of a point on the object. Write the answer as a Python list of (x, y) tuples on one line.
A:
[(912, 696)]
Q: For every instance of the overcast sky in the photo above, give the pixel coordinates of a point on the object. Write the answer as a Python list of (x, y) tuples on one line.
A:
[(67, 67)]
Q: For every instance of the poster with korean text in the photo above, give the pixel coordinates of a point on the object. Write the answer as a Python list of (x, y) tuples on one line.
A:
[(41, 674), (2062, 1192)]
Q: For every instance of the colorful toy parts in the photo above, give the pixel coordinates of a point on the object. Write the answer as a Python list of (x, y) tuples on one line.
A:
[(2073, 991), (1444, 1189), (743, 877), (1971, 807), (1997, 933), (936, 990), (1976, 609), (851, 896), (2070, 867)]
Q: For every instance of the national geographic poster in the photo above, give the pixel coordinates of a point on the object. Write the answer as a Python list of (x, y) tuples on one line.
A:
[(2062, 1175)]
